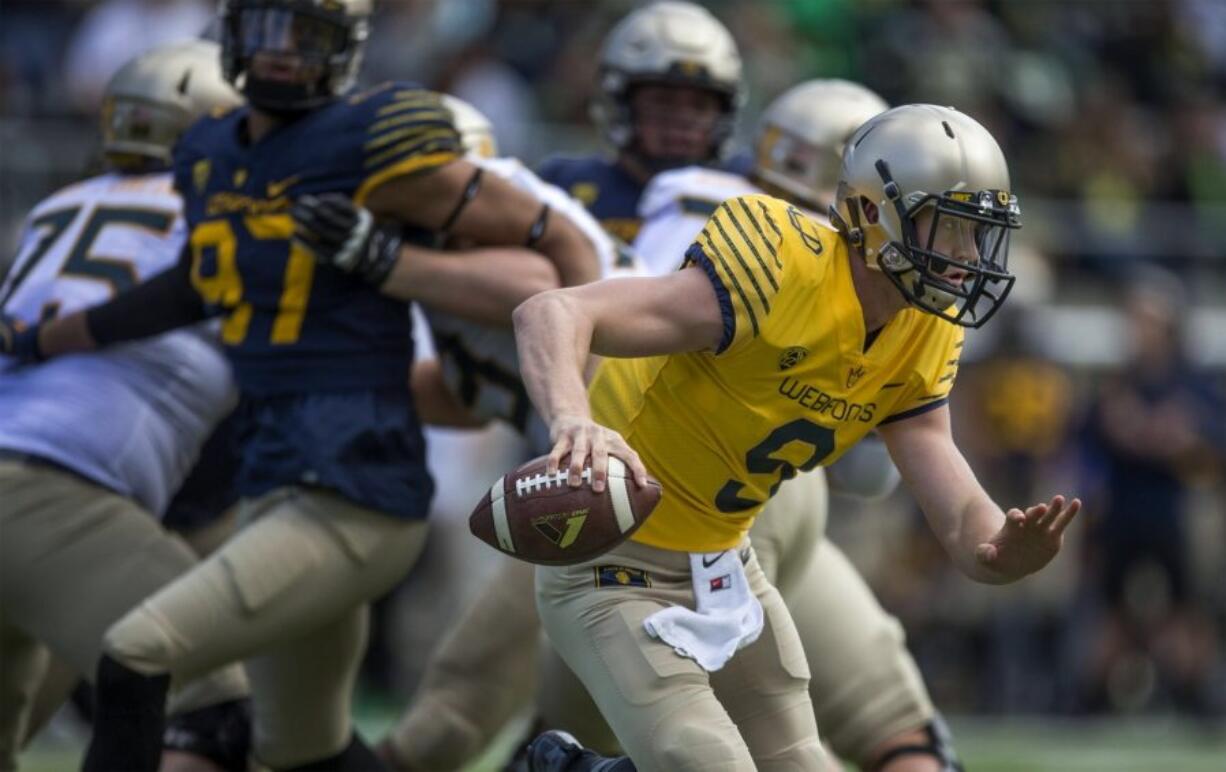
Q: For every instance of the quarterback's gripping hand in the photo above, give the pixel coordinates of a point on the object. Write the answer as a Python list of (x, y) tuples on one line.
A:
[(344, 235), (18, 339), (583, 437), (1028, 540)]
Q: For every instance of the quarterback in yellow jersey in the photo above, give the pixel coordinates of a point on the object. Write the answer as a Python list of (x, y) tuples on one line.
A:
[(779, 344), (790, 385)]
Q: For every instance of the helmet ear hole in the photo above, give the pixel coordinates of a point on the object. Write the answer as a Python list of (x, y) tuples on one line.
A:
[(871, 214)]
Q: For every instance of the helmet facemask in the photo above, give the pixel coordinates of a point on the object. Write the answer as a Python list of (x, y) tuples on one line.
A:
[(619, 113), (670, 44), (138, 134), (289, 57), (154, 97), (966, 292)]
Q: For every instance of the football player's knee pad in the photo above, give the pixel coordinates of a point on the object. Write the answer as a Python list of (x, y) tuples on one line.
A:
[(140, 641), (940, 745), (220, 733), (692, 747)]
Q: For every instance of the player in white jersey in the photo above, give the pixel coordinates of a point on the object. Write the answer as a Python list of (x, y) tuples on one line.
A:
[(93, 447), (147, 406)]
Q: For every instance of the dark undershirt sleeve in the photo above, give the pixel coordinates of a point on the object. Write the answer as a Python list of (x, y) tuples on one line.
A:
[(166, 301)]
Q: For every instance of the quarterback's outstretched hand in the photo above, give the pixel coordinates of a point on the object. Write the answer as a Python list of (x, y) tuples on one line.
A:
[(1028, 540), (18, 339), (344, 235), (583, 437)]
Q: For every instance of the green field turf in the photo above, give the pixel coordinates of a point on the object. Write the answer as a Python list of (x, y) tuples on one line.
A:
[(987, 745)]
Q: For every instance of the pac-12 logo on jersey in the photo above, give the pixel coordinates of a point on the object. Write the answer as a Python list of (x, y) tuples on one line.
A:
[(792, 357), (200, 174)]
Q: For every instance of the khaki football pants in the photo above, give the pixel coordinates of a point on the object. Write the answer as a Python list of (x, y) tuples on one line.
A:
[(667, 712), (864, 685), (74, 558), (288, 595)]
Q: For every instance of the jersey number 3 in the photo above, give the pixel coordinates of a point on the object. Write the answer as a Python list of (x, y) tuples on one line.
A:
[(817, 442)]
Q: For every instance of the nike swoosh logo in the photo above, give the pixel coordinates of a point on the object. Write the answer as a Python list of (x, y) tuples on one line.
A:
[(275, 189), (708, 563)]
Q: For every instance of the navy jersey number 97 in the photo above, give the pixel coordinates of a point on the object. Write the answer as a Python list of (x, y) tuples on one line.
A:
[(216, 277)]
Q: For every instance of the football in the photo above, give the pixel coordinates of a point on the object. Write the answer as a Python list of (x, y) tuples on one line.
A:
[(537, 517)]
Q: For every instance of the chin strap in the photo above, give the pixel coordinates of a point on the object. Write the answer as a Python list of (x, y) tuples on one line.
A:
[(853, 232)]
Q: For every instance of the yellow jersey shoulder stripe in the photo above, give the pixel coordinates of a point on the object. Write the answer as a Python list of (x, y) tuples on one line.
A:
[(754, 243), (770, 243), (430, 142), (409, 165), (736, 253), (766, 215), (736, 285), (421, 127)]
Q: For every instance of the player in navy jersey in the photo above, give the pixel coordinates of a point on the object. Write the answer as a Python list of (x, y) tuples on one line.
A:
[(313, 295), (668, 95)]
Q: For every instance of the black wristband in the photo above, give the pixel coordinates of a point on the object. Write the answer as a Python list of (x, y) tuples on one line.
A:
[(382, 252)]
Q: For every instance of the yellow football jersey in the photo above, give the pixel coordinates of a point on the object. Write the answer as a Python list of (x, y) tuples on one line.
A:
[(791, 386)]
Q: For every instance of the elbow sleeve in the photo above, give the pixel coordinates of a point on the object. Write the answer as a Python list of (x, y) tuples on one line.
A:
[(165, 302)]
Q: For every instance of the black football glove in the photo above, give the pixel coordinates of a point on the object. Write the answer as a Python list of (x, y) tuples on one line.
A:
[(18, 339), (344, 235)]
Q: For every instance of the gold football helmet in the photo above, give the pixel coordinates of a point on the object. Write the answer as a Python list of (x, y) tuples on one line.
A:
[(476, 131), (676, 43), (289, 56), (153, 98), (799, 145), (916, 158)]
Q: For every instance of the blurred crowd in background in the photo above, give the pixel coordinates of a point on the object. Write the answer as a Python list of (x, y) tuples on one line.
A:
[(1104, 376)]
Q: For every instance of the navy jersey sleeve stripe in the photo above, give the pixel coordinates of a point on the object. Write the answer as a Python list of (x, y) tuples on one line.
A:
[(695, 255), (942, 400)]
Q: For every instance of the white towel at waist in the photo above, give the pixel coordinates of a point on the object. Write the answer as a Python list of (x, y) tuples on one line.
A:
[(728, 616)]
